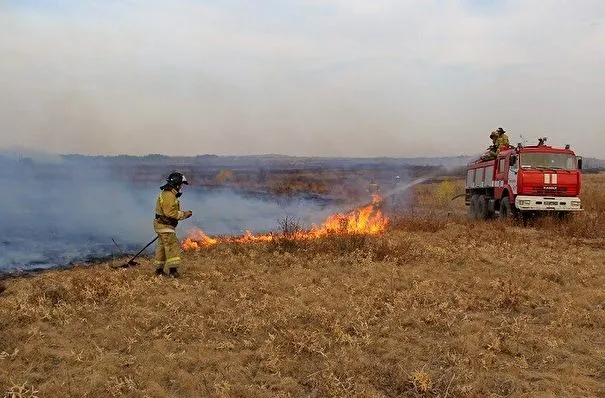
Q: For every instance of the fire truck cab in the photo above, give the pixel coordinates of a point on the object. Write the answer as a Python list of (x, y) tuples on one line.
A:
[(524, 180)]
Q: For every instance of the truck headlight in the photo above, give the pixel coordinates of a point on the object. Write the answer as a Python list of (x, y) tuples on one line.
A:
[(524, 202), (575, 203)]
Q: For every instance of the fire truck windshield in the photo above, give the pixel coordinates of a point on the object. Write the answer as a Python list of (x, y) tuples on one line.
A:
[(556, 161)]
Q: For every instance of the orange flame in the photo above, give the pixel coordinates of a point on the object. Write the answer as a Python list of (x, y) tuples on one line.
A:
[(365, 220)]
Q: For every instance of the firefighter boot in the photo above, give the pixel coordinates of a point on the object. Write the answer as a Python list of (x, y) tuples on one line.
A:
[(174, 273), (159, 271)]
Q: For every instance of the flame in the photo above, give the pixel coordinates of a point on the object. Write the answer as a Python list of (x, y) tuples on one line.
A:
[(367, 219)]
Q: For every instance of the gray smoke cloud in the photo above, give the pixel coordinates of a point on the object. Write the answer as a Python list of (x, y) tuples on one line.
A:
[(54, 211), (226, 213)]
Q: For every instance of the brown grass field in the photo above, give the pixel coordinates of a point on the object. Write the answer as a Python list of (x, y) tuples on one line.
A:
[(438, 306)]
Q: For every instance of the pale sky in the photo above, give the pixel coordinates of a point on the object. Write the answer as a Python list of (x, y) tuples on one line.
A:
[(300, 77)]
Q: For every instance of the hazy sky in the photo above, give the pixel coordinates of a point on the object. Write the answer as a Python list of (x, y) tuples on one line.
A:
[(300, 77)]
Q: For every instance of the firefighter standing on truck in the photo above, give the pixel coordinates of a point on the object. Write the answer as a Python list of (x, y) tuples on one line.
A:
[(167, 216), (492, 150), (501, 140)]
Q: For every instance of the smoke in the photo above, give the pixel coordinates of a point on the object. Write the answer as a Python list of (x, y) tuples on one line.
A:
[(226, 213), (55, 212)]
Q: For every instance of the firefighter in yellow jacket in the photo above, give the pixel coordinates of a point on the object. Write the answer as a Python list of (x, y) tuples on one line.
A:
[(491, 152), (167, 216), (502, 141)]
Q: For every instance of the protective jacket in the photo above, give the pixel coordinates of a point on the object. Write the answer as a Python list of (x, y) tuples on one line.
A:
[(502, 141), (167, 211)]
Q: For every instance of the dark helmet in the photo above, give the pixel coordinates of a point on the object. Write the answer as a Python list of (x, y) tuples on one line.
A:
[(500, 130), (174, 180)]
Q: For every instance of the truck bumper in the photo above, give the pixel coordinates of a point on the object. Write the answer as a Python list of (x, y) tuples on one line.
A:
[(548, 203)]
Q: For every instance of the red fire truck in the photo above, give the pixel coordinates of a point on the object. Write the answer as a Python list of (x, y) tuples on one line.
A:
[(525, 180)]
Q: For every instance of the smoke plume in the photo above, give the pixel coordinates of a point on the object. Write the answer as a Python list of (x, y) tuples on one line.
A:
[(55, 212)]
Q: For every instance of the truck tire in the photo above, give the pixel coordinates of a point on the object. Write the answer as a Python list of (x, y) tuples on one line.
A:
[(506, 209), (482, 211)]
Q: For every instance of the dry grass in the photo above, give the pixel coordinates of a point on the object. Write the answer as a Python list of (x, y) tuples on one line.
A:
[(437, 307)]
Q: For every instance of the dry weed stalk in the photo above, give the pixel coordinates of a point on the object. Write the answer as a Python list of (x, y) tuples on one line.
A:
[(24, 390)]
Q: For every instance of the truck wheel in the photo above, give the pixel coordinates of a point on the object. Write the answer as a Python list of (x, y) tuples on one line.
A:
[(506, 209), (482, 212)]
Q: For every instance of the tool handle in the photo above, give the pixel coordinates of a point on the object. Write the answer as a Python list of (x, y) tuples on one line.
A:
[(143, 249)]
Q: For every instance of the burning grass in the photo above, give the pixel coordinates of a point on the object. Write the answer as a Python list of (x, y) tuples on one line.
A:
[(368, 219), (433, 307)]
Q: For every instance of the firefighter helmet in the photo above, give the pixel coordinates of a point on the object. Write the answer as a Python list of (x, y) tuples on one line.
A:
[(176, 179)]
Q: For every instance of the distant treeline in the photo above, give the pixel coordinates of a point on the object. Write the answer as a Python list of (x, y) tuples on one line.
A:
[(453, 165)]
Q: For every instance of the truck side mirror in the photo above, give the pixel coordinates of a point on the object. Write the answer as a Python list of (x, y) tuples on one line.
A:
[(579, 163)]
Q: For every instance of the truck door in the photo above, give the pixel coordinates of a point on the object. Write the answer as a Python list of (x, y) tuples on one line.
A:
[(501, 177), (513, 173)]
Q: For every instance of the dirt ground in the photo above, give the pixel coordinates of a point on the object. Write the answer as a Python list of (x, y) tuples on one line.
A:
[(438, 306)]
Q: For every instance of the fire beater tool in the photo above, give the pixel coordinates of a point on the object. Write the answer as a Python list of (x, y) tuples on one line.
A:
[(131, 262)]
